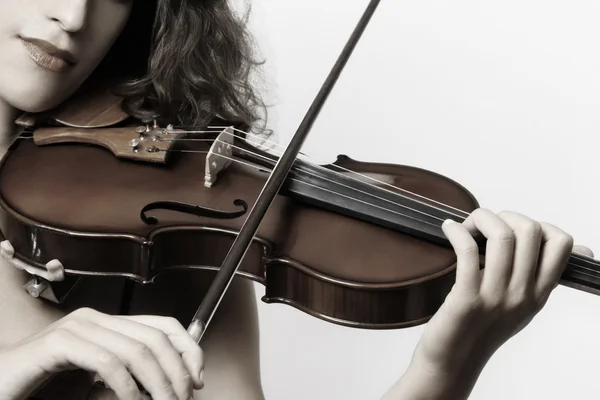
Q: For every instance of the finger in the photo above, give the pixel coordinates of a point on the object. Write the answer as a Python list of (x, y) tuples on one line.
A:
[(62, 350), (583, 250), (468, 275), (158, 342), (528, 240), (556, 249), (191, 352), (136, 355), (499, 251)]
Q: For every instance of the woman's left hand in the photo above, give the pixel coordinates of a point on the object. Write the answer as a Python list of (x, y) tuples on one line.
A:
[(523, 264)]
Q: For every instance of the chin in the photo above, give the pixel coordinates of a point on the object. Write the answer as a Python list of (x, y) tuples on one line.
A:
[(34, 99), (34, 107)]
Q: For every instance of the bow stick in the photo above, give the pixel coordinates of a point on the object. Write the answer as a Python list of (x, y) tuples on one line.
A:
[(241, 244)]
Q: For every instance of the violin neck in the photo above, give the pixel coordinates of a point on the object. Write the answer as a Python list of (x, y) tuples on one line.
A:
[(582, 273), (406, 212), (352, 196)]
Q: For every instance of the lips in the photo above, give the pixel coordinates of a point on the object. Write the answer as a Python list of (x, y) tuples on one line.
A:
[(48, 56)]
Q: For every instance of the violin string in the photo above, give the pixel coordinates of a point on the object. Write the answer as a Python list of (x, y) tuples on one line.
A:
[(322, 188), (576, 256), (459, 213), (352, 173), (316, 164), (332, 181), (582, 258)]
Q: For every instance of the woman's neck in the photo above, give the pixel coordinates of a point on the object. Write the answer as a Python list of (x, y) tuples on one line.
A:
[(8, 128)]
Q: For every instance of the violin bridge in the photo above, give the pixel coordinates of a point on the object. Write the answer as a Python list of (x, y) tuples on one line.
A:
[(219, 156)]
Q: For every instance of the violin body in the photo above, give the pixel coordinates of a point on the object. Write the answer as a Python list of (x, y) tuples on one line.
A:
[(76, 202)]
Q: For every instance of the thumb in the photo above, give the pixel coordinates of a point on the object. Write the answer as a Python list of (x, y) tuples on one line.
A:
[(583, 250)]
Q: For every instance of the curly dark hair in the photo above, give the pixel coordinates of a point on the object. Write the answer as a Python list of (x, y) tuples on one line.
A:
[(186, 62)]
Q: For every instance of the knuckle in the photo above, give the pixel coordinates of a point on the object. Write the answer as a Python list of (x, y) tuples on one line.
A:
[(186, 381), (507, 214), (521, 298), (470, 301), (557, 235), (480, 212), (116, 373), (130, 387), (504, 236), (110, 360), (171, 321), (166, 387), (469, 253), (530, 228), (494, 303), (567, 241), (173, 324), (141, 351), (159, 339)]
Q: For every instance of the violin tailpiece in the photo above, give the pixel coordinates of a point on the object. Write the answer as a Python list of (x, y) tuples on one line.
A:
[(142, 143)]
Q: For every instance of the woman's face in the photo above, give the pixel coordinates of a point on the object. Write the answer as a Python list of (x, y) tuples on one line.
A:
[(48, 48)]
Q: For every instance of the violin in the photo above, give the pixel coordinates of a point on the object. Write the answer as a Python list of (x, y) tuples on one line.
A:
[(87, 190)]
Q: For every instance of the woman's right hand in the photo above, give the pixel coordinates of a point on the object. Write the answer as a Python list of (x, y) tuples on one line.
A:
[(156, 351)]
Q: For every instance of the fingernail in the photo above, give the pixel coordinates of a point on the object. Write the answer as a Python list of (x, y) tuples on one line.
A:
[(449, 221), (201, 378)]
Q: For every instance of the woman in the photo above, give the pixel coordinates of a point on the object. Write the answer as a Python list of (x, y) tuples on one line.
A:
[(198, 68)]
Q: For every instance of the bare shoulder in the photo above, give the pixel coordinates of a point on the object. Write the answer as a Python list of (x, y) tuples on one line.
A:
[(231, 342)]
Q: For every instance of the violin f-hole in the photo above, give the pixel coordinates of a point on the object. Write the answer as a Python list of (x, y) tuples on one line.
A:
[(192, 209)]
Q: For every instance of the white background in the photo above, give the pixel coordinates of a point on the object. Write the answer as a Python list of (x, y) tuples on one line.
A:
[(503, 97)]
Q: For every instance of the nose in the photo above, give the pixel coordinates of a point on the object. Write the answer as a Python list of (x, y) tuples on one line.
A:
[(70, 14)]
